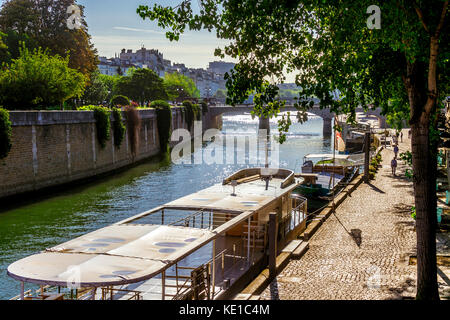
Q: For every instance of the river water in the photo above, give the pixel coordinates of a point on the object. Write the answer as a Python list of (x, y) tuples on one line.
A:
[(42, 223)]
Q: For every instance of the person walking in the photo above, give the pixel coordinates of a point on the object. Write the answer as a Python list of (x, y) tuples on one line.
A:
[(394, 166), (396, 151), (401, 137)]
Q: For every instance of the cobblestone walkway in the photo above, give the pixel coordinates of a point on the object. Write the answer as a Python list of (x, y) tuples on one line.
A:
[(363, 251)]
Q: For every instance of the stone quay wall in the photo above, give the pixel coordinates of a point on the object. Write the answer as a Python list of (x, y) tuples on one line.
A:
[(51, 148)]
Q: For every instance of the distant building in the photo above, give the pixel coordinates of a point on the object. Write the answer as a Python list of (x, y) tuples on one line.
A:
[(220, 67), (207, 81), (113, 67), (144, 58)]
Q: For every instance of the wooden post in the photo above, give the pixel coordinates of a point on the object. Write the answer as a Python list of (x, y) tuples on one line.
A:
[(176, 274), (366, 156), (248, 241), (202, 219), (210, 219), (272, 244), (163, 288), (214, 269), (22, 290), (223, 265)]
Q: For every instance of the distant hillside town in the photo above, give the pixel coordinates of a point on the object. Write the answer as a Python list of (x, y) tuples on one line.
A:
[(207, 81)]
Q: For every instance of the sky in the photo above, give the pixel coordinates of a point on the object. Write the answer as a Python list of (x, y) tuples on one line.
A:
[(114, 25)]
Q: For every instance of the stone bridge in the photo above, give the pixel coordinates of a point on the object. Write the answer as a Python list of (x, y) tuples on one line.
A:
[(325, 114)]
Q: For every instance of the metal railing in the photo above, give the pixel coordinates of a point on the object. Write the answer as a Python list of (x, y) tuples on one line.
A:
[(216, 271), (295, 216), (108, 293), (40, 294)]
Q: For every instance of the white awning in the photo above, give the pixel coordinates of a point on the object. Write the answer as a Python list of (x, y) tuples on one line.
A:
[(115, 255)]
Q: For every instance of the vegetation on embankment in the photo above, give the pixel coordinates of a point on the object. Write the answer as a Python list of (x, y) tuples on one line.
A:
[(5, 133)]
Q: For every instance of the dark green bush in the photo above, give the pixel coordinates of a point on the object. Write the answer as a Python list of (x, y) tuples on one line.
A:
[(120, 101), (37, 80), (205, 108), (102, 122), (164, 119), (118, 127), (134, 127), (197, 112), (189, 114), (5, 133), (192, 112)]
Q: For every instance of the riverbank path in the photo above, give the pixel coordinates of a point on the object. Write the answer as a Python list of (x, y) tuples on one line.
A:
[(362, 251)]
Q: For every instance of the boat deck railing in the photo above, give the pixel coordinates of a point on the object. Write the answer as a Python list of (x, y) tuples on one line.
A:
[(226, 264), (108, 293), (193, 218)]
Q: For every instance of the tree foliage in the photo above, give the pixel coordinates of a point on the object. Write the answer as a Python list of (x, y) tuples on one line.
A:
[(110, 83), (338, 59), (120, 101), (179, 86), (143, 85), (13, 44), (220, 94), (44, 23), (97, 91), (4, 54), (37, 80)]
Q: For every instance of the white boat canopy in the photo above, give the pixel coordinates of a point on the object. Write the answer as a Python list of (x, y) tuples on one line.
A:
[(115, 255), (126, 253)]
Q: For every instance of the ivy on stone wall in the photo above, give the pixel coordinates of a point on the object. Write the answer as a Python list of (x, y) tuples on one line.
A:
[(134, 127), (102, 122), (204, 107), (118, 127), (164, 120), (5, 133), (198, 112), (192, 112)]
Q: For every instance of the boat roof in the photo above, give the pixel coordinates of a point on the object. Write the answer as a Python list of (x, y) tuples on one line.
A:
[(125, 253), (118, 254)]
